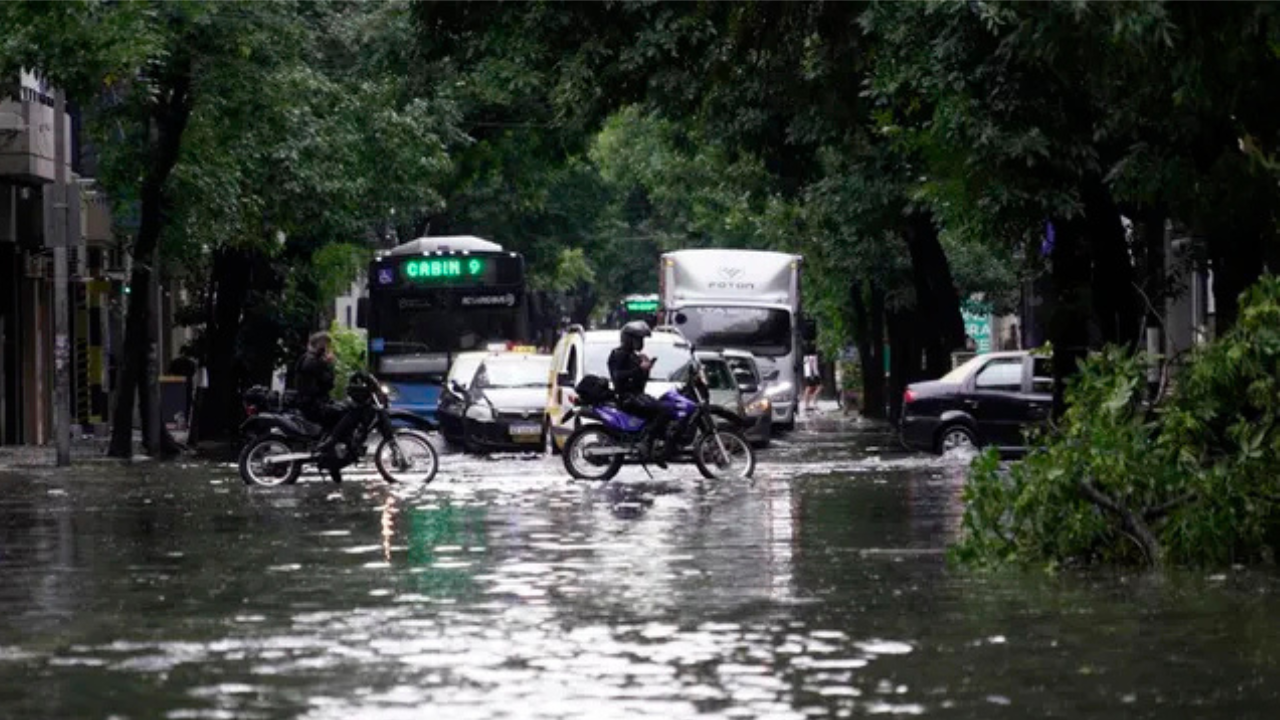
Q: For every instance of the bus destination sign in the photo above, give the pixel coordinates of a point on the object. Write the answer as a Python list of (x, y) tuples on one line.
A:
[(640, 306), (429, 270)]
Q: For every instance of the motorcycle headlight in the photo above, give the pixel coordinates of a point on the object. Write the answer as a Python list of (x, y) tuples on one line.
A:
[(390, 392), (760, 407), (782, 392), (480, 412)]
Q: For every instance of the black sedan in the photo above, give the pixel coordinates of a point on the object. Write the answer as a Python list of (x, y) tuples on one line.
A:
[(506, 404), (988, 401)]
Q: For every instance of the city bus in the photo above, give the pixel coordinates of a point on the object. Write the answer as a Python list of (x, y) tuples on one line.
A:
[(435, 297)]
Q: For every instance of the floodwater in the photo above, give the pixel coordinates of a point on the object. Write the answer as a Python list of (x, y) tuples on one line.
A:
[(505, 590)]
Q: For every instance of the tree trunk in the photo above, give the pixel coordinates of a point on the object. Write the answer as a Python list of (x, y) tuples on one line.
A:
[(1072, 306), (904, 356), (941, 327), (868, 315), (170, 119), (132, 359), (1116, 308), (1237, 255), (220, 410)]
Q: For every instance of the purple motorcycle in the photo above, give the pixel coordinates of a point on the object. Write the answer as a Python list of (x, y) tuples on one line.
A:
[(606, 437)]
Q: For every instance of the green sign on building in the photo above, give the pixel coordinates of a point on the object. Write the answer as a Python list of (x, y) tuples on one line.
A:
[(977, 323)]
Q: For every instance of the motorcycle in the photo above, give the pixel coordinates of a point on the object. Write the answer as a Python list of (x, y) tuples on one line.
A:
[(280, 441), (706, 433)]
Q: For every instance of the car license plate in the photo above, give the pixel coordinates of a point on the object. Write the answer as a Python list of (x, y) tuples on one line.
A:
[(526, 432)]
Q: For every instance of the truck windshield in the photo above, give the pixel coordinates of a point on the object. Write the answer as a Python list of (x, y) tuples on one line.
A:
[(763, 331)]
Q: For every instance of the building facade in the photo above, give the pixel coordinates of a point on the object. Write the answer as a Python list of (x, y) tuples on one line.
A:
[(96, 271)]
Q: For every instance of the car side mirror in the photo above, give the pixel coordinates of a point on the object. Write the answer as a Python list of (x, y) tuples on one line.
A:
[(457, 388), (564, 379)]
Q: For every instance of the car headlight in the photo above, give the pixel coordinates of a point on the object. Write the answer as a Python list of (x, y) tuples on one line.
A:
[(480, 412), (782, 392), (760, 407)]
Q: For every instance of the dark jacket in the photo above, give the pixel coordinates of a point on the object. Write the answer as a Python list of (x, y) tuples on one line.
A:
[(628, 377), (314, 380)]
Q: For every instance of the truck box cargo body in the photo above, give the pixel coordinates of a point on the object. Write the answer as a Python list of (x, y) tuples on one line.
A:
[(740, 299)]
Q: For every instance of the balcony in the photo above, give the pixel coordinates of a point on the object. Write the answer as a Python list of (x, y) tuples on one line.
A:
[(26, 132)]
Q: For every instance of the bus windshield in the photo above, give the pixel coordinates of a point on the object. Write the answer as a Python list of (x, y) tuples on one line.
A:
[(413, 330), (763, 331)]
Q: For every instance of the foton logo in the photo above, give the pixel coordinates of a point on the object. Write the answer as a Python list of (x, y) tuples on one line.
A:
[(729, 280)]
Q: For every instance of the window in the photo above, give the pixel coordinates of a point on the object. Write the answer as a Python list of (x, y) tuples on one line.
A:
[(667, 359), (571, 367), (1003, 375), (744, 371), (719, 377), (513, 372), (1042, 375)]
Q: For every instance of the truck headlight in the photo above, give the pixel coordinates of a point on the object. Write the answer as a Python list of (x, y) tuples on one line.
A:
[(760, 407), (782, 392), (480, 412)]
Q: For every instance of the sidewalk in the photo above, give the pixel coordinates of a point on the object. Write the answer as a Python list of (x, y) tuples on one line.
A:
[(84, 448)]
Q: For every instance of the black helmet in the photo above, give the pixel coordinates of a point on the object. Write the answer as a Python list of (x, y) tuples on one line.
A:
[(634, 333)]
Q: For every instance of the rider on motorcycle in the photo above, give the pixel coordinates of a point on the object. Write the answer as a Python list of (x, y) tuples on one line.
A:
[(314, 387), (629, 371)]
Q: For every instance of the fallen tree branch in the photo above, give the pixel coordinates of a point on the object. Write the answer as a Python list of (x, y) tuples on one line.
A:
[(1159, 511), (1131, 522)]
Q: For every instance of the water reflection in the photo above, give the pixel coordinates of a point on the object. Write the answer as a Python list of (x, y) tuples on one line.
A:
[(505, 590)]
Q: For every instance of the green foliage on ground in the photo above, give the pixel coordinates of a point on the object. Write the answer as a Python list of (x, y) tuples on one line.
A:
[(1188, 479)]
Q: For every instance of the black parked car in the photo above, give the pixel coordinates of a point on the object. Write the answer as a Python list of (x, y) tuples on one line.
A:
[(988, 401), (506, 403), (453, 396)]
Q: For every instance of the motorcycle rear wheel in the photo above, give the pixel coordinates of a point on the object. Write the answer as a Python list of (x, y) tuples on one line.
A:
[(582, 467), (253, 471)]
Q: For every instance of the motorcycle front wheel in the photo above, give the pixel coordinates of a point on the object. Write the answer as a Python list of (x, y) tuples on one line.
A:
[(254, 470), (407, 457), (724, 455), (578, 454)]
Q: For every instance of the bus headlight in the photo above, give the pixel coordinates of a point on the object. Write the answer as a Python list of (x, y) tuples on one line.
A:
[(780, 393), (480, 413), (759, 407)]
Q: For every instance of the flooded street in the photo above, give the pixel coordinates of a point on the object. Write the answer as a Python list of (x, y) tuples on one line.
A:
[(505, 590)]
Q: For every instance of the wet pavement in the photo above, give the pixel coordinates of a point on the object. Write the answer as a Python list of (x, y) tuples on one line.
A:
[(505, 590)]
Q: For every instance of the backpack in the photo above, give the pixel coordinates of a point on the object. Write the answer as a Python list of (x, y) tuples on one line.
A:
[(593, 390)]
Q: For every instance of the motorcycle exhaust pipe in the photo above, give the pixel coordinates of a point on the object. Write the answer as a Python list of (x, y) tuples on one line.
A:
[(287, 458)]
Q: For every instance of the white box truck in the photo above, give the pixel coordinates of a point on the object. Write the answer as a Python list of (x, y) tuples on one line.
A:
[(742, 299)]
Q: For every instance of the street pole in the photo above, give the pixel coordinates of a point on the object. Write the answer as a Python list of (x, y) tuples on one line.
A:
[(61, 338)]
